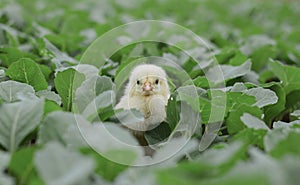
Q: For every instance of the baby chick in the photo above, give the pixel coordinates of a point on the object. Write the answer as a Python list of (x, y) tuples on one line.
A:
[(147, 91)]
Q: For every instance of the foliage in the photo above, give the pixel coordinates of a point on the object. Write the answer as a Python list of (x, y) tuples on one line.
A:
[(53, 120)]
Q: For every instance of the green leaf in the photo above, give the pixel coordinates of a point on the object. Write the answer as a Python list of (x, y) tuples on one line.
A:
[(58, 126), (66, 83), (57, 165), (51, 106), (289, 75), (237, 105), (261, 55), (220, 73), (45, 70), (172, 112), (17, 120), (263, 96), (158, 134), (289, 145), (90, 89), (22, 166), (208, 165), (102, 101), (108, 138), (104, 167), (273, 111), (11, 55), (11, 91), (251, 136), (253, 122), (27, 71), (49, 95)]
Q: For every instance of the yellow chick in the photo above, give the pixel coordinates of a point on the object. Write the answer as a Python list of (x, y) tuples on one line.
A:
[(147, 91)]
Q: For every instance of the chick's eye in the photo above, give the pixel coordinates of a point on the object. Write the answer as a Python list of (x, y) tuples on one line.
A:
[(138, 82), (156, 81)]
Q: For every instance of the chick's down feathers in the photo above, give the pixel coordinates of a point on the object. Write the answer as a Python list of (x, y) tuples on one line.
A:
[(147, 91)]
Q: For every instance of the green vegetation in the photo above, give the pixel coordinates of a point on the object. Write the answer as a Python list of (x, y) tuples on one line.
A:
[(49, 100)]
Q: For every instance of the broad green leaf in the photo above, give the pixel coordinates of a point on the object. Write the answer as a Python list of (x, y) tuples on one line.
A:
[(233, 121), (261, 55), (11, 91), (66, 83), (104, 167), (201, 81), (158, 134), (46, 71), (27, 71), (238, 59), (51, 106), (237, 105), (289, 75), (57, 165), (17, 120), (22, 166)]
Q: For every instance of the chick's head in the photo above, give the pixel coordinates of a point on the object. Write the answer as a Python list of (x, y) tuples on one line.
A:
[(147, 80)]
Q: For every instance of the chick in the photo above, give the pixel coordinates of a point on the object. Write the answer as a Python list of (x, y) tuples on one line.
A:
[(147, 91)]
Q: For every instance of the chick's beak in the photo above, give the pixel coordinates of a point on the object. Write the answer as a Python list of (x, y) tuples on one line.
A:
[(147, 86)]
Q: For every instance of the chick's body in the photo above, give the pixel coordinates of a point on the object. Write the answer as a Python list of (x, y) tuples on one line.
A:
[(148, 92)]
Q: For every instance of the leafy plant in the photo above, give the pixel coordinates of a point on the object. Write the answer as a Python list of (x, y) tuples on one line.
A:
[(57, 115)]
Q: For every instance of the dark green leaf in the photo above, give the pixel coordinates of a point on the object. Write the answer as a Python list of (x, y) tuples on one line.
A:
[(66, 83), (27, 71)]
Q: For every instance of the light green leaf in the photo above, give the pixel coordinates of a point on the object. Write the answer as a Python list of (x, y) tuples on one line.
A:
[(62, 127), (253, 122), (57, 165), (49, 95), (289, 145), (102, 101), (27, 71), (17, 120), (274, 137), (108, 137), (10, 91), (66, 83), (220, 73), (90, 89), (263, 96), (296, 113)]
